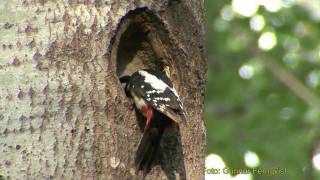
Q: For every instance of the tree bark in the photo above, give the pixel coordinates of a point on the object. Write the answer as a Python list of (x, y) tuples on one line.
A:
[(63, 113)]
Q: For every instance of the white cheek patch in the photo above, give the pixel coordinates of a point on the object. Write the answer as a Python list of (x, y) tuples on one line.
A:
[(140, 103)]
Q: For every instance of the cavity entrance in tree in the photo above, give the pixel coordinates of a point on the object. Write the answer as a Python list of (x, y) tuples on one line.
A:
[(139, 43)]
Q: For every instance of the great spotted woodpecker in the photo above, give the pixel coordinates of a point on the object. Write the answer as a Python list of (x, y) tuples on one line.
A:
[(155, 98)]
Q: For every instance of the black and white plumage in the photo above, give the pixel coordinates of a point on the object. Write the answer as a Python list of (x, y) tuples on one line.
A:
[(154, 88), (155, 97)]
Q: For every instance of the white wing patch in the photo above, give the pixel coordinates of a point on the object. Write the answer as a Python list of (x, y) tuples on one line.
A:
[(162, 99), (158, 87), (154, 81), (140, 103), (151, 92)]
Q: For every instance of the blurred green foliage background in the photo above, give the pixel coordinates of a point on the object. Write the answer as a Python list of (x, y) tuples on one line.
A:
[(263, 84)]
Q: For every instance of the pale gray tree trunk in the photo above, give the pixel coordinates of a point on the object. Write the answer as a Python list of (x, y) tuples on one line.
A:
[(63, 113)]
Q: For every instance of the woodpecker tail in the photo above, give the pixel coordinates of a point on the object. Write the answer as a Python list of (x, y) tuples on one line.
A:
[(148, 148)]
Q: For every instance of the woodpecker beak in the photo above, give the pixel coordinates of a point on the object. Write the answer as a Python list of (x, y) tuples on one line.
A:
[(124, 81)]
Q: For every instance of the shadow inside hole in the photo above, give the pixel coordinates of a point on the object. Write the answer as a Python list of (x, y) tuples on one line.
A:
[(135, 51), (170, 153), (130, 43)]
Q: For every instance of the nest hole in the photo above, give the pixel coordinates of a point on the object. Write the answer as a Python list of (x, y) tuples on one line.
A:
[(138, 44)]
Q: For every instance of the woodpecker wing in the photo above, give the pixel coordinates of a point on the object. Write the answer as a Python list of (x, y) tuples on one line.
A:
[(156, 90)]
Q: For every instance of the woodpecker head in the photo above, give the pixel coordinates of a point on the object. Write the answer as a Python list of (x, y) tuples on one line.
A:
[(153, 88)]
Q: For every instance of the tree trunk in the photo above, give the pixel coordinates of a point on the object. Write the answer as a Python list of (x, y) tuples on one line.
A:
[(63, 113)]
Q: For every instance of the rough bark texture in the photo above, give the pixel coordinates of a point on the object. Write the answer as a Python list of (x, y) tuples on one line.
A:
[(63, 113)]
